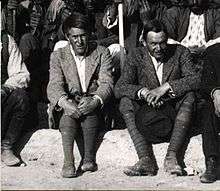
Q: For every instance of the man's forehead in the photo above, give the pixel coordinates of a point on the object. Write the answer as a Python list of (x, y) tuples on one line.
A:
[(155, 36), (76, 31)]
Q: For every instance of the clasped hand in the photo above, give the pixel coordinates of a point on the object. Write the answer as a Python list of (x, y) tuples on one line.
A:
[(152, 97), (71, 109), (88, 104)]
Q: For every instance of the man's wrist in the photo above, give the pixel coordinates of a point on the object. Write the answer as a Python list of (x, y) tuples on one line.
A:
[(170, 90), (167, 86), (62, 100), (142, 92), (97, 101)]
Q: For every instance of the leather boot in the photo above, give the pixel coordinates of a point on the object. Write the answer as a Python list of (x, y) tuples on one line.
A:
[(90, 128), (68, 169), (14, 116), (171, 164), (147, 165), (182, 124), (181, 155), (8, 157), (11, 137), (210, 174)]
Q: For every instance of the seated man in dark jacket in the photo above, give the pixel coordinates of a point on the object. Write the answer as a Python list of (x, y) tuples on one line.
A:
[(211, 91), (159, 80)]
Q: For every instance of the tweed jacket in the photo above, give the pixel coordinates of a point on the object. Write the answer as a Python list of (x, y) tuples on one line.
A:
[(138, 72), (64, 75), (176, 21)]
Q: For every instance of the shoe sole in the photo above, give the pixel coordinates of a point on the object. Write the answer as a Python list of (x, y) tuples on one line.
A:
[(133, 173), (69, 176), (14, 163), (89, 170), (208, 182)]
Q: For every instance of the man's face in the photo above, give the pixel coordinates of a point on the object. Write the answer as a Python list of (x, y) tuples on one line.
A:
[(89, 4), (157, 44), (78, 38)]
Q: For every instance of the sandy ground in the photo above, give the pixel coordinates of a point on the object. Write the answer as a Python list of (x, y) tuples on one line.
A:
[(43, 158)]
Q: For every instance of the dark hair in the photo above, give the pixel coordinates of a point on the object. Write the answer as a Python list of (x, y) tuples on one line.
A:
[(200, 3), (154, 26), (76, 20)]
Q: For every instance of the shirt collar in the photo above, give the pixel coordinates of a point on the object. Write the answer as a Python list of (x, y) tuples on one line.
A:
[(154, 60), (76, 56)]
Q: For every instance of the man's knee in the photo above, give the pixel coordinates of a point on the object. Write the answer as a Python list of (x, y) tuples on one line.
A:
[(190, 98), (20, 98), (186, 102)]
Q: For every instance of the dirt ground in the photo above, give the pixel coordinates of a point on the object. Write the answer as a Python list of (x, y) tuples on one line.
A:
[(43, 157)]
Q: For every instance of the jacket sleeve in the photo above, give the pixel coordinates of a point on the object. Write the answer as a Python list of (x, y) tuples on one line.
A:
[(105, 79), (127, 83), (55, 88), (190, 79)]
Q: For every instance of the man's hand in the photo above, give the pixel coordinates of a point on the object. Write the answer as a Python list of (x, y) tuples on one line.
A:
[(88, 104), (216, 100), (70, 108), (153, 96)]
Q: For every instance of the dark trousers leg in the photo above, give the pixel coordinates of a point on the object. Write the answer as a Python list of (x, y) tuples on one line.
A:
[(90, 125), (210, 133), (14, 114), (68, 129), (185, 108)]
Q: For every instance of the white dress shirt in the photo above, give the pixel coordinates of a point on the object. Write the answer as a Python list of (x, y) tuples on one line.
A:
[(158, 68), (81, 67)]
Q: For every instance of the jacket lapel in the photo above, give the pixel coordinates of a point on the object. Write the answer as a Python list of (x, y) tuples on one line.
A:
[(70, 68), (149, 70), (167, 67), (91, 64)]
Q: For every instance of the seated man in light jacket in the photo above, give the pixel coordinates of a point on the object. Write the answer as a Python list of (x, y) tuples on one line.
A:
[(80, 84)]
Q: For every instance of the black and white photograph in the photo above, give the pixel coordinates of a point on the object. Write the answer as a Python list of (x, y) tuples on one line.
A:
[(110, 95)]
